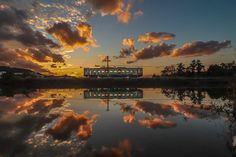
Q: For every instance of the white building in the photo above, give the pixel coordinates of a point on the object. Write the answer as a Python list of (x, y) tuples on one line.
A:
[(1, 73)]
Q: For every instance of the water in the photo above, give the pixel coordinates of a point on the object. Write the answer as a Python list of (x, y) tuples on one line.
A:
[(117, 122)]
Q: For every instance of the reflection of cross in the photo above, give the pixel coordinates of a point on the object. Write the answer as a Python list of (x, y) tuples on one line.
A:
[(108, 101), (108, 105)]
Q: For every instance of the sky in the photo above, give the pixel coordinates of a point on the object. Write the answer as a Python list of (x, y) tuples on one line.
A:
[(64, 36)]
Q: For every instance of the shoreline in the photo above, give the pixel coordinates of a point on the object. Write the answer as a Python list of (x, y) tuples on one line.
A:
[(209, 82)]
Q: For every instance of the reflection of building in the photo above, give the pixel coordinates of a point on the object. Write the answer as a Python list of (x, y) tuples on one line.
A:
[(113, 72), (113, 93)]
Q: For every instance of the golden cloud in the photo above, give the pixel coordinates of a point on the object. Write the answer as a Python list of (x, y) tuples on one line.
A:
[(129, 42), (81, 37), (154, 37)]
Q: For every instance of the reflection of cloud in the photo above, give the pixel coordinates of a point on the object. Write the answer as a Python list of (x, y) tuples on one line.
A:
[(129, 118), (123, 150), (156, 123), (183, 110), (71, 121), (154, 108)]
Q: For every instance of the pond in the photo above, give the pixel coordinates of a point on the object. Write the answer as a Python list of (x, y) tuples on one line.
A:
[(117, 122)]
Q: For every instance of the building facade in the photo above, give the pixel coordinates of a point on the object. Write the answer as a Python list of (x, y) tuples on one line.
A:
[(113, 72)]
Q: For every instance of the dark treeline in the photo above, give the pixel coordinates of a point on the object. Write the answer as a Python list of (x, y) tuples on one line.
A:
[(196, 68)]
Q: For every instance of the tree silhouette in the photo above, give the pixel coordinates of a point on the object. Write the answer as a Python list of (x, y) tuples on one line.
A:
[(180, 69), (196, 68), (199, 67)]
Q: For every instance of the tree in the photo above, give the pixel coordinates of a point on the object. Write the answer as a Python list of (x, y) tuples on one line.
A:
[(180, 69), (192, 66), (199, 67)]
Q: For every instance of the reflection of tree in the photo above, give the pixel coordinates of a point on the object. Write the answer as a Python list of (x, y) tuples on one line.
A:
[(232, 121), (196, 96)]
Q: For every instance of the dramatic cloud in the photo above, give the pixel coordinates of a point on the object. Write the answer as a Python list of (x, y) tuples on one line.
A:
[(107, 7), (81, 37), (23, 47), (29, 58), (113, 7), (201, 48), (43, 14), (14, 27), (162, 49), (154, 37), (152, 51)]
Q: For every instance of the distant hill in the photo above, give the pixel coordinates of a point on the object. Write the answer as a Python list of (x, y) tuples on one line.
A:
[(16, 70)]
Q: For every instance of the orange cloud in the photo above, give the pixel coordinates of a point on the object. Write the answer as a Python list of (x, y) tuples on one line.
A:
[(29, 58), (129, 118), (156, 122), (81, 37), (153, 37), (107, 7), (71, 121), (129, 42), (123, 150), (125, 15), (117, 8)]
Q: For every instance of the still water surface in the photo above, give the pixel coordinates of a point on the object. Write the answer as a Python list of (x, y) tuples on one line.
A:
[(117, 123)]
